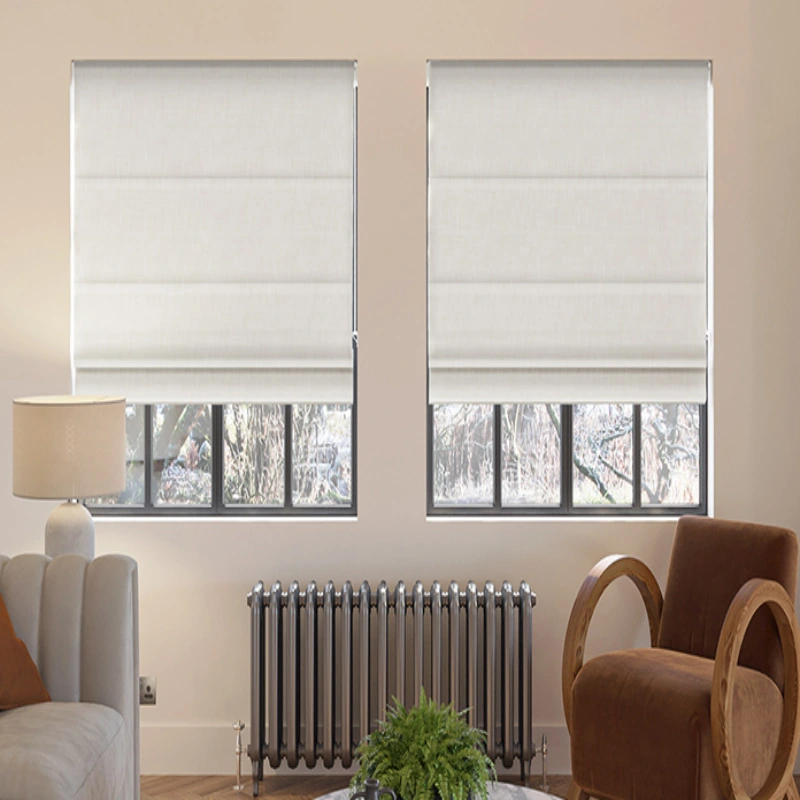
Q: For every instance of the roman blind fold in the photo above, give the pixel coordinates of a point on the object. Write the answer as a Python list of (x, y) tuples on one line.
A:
[(212, 231), (568, 215)]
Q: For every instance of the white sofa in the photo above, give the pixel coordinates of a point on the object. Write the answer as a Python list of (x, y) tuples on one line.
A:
[(79, 620)]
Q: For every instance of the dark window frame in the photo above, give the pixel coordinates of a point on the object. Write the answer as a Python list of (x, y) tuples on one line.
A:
[(566, 508), (217, 507)]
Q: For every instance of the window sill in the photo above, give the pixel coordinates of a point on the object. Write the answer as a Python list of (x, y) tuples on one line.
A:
[(557, 518), (222, 518)]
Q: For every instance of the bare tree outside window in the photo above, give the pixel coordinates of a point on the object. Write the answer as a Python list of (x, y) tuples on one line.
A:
[(531, 455), (603, 454), (602, 443), (182, 455), (177, 456), (670, 454), (322, 454), (463, 461), (253, 470)]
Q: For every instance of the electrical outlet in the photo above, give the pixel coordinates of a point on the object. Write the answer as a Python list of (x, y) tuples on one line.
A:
[(147, 691)]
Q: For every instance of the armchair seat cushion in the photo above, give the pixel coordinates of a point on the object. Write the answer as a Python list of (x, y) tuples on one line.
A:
[(641, 726), (62, 751)]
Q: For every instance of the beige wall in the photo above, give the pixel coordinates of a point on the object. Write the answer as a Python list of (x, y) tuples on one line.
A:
[(194, 574)]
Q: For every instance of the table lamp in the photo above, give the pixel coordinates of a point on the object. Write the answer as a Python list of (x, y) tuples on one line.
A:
[(69, 448)]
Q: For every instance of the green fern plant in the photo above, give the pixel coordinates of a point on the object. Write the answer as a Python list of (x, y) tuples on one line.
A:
[(426, 752)]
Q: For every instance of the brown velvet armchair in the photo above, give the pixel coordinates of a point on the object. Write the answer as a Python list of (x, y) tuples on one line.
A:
[(710, 712)]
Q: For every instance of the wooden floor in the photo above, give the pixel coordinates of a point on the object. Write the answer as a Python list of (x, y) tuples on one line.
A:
[(291, 787)]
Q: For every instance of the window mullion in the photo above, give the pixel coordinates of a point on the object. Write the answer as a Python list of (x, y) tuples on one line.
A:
[(566, 459), (148, 457), (217, 459), (497, 447), (636, 455), (288, 469)]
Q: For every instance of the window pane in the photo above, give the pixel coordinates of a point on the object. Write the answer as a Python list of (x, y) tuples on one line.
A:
[(531, 455), (133, 493), (182, 455), (254, 454), (322, 462), (602, 454), (463, 462), (670, 454)]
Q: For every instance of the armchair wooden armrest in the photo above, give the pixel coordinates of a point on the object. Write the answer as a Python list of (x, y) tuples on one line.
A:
[(752, 596), (596, 582)]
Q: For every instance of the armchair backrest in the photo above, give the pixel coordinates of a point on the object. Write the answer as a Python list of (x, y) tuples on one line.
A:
[(711, 560), (80, 622)]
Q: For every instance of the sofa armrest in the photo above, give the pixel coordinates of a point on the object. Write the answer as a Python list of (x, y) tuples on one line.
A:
[(80, 622)]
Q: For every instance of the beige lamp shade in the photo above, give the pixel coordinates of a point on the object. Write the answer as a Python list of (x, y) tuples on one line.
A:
[(69, 447)]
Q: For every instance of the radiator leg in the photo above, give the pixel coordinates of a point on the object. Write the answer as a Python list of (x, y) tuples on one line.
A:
[(525, 772), (258, 767)]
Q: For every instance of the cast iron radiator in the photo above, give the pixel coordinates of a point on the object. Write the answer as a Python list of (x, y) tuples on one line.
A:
[(309, 649)]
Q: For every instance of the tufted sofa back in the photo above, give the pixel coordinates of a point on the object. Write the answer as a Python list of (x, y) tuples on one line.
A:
[(80, 622)]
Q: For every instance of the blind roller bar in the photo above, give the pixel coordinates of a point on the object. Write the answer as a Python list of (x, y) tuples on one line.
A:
[(581, 386), (220, 386)]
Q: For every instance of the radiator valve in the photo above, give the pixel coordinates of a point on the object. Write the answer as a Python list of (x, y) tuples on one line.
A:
[(238, 726), (542, 749)]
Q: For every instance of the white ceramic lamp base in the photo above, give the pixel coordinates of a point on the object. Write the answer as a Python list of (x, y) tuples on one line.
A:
[(69, 529)]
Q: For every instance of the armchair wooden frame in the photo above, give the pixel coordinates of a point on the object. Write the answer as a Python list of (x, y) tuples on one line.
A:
[(753, 595)]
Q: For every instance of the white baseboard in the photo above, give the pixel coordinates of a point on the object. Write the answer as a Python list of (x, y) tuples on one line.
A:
[(209, 750), (189, 750)]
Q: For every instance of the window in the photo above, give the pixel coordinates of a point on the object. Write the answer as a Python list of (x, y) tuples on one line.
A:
[(213, 279), (569, 206), (620, 459), (232, 459)]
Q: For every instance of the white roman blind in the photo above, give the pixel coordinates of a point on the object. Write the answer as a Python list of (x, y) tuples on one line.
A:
[(212, 231), (568, 243)]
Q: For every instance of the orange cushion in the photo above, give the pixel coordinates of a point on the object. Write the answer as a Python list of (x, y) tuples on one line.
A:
[(20, 683)]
